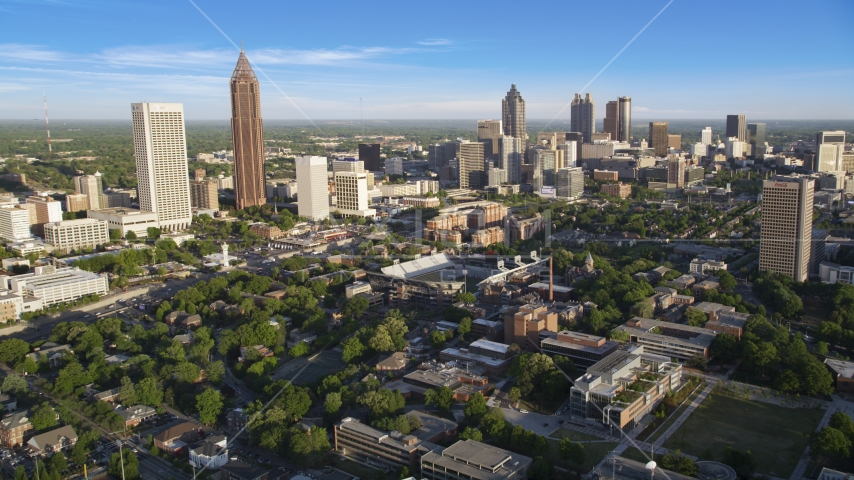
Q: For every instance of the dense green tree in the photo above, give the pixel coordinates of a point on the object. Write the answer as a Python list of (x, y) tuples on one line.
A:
[(306, 448), (493, 423), (831, 443), (148, 392), (333, 403), (209, 404), (727, 281), (541, 469), (14, 383), (471, 433), (571, 452), (695, 317), (13, 350), (131, 465), (299, 350), (351, 349), (383, 402), (464, 328), (438, 339), (475, 407), (44, 417), (442, 397)]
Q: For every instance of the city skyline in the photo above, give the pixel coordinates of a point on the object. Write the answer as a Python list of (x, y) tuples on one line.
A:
[(445, 71)]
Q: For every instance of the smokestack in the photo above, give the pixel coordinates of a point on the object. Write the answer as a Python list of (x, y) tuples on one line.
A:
[(551, 282)]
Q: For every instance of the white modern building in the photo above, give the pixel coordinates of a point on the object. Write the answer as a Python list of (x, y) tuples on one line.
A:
[(47, 209), (418, 187), (734, 148), (699, 149), (160, 149), (829, 147), (311, 175), (570, 182), (394, 166), (706, 136), (126, 220), (510, 151), (570, 153), (15, 224), (706, 266), (357, 288), (834, 273), (56, 285), (70, 235), (93, 187)]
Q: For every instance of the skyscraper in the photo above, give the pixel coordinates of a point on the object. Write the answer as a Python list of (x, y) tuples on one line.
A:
[(510, 158), (487, 133), (472, 167), (829, 147), (204, 194), (624, 119), (513, 115), (93, 188), (658, 137), (351, 188), (676, 171), (313, 200), (247, 136), (610, 122), (583, 116), (736, 127), (706, 136), (756, 139), (786, 232), (370, 154), (160, 148)]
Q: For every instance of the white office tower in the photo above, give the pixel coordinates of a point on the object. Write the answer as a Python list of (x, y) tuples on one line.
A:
[(496, 177), (786, 233), (706, 136), (93, 187), (15, 224), (160, 148), (313, 200), (829, 147), (510, 157), (734, 148), (570, 182), (351, 188), (570, 153)]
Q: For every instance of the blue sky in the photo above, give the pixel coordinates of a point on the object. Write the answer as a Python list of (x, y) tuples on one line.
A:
[(439, 60)]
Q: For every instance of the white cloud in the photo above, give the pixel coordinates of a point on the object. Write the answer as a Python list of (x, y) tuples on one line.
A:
[(432, 42), (29, 53)]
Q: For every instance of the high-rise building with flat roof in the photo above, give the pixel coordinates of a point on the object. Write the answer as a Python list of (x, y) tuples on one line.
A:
[(706, 136), (513, 115), (70, 235), (756, 139), (829, 147), (570, 182), (351, 188), (247, 136), (784, 240), (160, 148), (624, 119), (510, 157), (658, 140), (370, 154), (204, 194), (488, 132), (15, 224), (676, 171), (76, 202), (583, 117), (472, 167), (93, 188), (674, 141), (736, 126), (313, 201), (609, 124)]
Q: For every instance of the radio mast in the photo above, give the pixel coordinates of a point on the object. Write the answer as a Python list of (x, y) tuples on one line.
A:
[(47, 125)]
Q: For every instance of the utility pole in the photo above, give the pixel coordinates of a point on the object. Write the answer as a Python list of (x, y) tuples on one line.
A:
[(121, 458)]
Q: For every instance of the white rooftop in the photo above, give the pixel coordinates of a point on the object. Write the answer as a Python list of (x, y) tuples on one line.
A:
[(491, 346), (418, 267)]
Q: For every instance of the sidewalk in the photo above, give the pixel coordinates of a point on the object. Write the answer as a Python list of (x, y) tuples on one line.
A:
[(804, 461)]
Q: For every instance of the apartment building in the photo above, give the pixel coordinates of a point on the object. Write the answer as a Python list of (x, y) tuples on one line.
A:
[(204, 194), (76, 202), (487, 236), (69, 235), (621, 189), (56, 440)]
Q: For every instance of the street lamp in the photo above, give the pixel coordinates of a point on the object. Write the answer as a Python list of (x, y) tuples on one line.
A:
[(121, 458)]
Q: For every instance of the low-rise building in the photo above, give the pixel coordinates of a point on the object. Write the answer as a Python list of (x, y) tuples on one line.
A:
[(8, 403), (843, 374), (624, 386), (706, 266), (621, 189), (69, 235), (609, 175), (830, 272), (15, 429), (731, 323), (211, 454), (56, 440), (492, 357), (11, 306), (392, 449), (176, 437), (583, 349), (701, 288), (355, 288), (50, 354), (236, 419), (126, 220), (135, 415), (56, 285), (670, 340), (463, 383), (264, 230), (394, 364), (472, 460), (486, 328), (183, 319)]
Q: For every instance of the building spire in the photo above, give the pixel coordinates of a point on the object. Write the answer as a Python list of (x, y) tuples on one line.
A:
[(241, 45)]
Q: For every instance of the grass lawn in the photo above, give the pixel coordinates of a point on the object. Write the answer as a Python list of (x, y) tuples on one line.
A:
[(574, 436), (633, 453), (777, 436), (671, 418), (593, 452)]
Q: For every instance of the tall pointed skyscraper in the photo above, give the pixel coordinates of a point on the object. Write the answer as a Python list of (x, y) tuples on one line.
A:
[(247, 136), (513, 115)]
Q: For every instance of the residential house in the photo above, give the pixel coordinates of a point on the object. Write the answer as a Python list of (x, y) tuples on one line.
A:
[(261, 349), (211, 454), (8, 403), (48, 443), (111, 395), (183, 320), (50, 353)]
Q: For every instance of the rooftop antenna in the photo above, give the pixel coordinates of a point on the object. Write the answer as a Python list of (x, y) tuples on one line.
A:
[(47, 125)]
